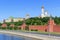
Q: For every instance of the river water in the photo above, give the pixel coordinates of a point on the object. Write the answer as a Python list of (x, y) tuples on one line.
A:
[(14, 37)]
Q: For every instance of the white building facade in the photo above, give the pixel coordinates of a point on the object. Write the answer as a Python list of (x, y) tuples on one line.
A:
[(14, 19)]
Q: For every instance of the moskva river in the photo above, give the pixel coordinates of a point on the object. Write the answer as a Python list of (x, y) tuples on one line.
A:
[(14, 37)]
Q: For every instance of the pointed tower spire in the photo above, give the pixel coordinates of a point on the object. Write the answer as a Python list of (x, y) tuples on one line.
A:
[(50, 17), (4, 21), (42, 7), (23, 26), (23, 20)]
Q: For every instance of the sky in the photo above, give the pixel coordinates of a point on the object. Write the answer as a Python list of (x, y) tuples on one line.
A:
[(19, 8)]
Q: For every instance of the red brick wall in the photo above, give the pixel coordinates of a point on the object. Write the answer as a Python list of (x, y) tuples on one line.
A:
[(38, 27), (56, 28), (51, 27), (42, 28), (48, 27)]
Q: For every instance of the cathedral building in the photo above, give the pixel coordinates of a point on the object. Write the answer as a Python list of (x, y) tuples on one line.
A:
[(44, 13), (27, 16)]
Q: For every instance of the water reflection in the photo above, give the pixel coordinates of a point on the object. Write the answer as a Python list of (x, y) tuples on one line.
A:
[(10, 37)]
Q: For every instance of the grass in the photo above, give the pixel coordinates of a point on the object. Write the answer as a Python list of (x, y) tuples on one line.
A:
[(55, 33)]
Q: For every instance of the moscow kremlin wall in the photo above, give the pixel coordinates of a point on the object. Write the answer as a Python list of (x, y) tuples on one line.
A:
[(50, 27)]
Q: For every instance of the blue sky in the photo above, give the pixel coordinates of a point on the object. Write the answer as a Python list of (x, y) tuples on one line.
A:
[(19, 8)]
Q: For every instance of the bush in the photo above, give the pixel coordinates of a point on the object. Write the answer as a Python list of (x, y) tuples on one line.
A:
[(34, 30)]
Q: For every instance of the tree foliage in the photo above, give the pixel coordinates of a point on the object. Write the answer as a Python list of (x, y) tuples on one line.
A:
[(36, 21)]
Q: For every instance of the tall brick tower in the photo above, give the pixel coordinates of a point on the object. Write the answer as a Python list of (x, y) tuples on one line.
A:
[(12, 25), (4, 24), (50, 25), (23, 26)]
